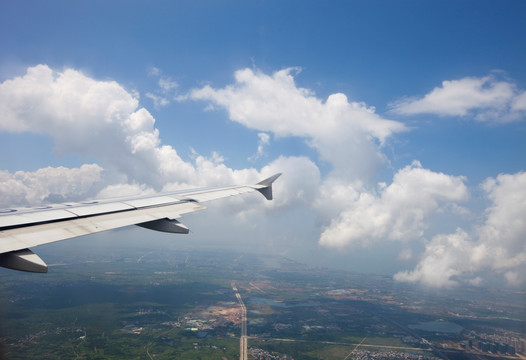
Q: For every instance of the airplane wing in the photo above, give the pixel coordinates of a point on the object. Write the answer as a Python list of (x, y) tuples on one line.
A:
[(21, 229)]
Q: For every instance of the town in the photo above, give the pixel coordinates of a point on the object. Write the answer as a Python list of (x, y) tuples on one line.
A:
[(293, 311)]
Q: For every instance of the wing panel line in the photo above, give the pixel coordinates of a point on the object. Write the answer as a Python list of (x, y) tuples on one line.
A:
[(75, 217)]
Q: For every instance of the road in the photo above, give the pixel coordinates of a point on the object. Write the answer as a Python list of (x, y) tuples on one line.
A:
[(243, 340), (356, 347)]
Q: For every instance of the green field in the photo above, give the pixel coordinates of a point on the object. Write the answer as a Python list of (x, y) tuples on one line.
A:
[(181, 305)]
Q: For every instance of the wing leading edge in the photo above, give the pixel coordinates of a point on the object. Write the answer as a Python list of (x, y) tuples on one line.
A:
[(21, 229)]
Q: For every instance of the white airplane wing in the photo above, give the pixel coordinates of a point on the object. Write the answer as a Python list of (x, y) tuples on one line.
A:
[(21, 229)]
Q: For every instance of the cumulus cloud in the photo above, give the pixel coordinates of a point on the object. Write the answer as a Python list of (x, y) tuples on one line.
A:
[(486, 99), (121, 190), (504, 231), (102, 120), (497, 245), (445, 258), (355, 215), (399, 211), (91, 118), (300, 182), (48, 185), (346, 134)]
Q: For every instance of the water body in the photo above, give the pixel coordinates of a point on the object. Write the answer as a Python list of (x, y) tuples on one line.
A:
[(438, 326), (270, 302), (263, 301)]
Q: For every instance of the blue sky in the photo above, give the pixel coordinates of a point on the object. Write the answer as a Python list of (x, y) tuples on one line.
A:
[(399, 126)]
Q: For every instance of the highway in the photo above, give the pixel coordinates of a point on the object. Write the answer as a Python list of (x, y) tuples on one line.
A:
[(243, 340)]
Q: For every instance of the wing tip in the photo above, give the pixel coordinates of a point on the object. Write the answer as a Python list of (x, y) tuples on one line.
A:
[(265, 186), (268, 181)]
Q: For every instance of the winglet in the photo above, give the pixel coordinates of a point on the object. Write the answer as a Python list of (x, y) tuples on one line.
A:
[(265, 186)]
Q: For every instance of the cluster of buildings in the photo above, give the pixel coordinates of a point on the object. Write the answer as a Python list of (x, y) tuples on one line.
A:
[(497, 344), (201, 321), (35, 338), (261, 354), (389, 355), (493, 347)]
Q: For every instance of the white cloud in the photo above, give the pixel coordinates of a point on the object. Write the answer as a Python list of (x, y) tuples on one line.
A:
[(504, 231), (264, 140), (48, 185), (497, 246), (300, 182), (519, 102), (91, 118), (346, 134), (405, 255), (298, 185), (446, 257), (166, 84), (161, 97), (158, 101), (121, 190), (102, 120), (399, 211), (485, 98)]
